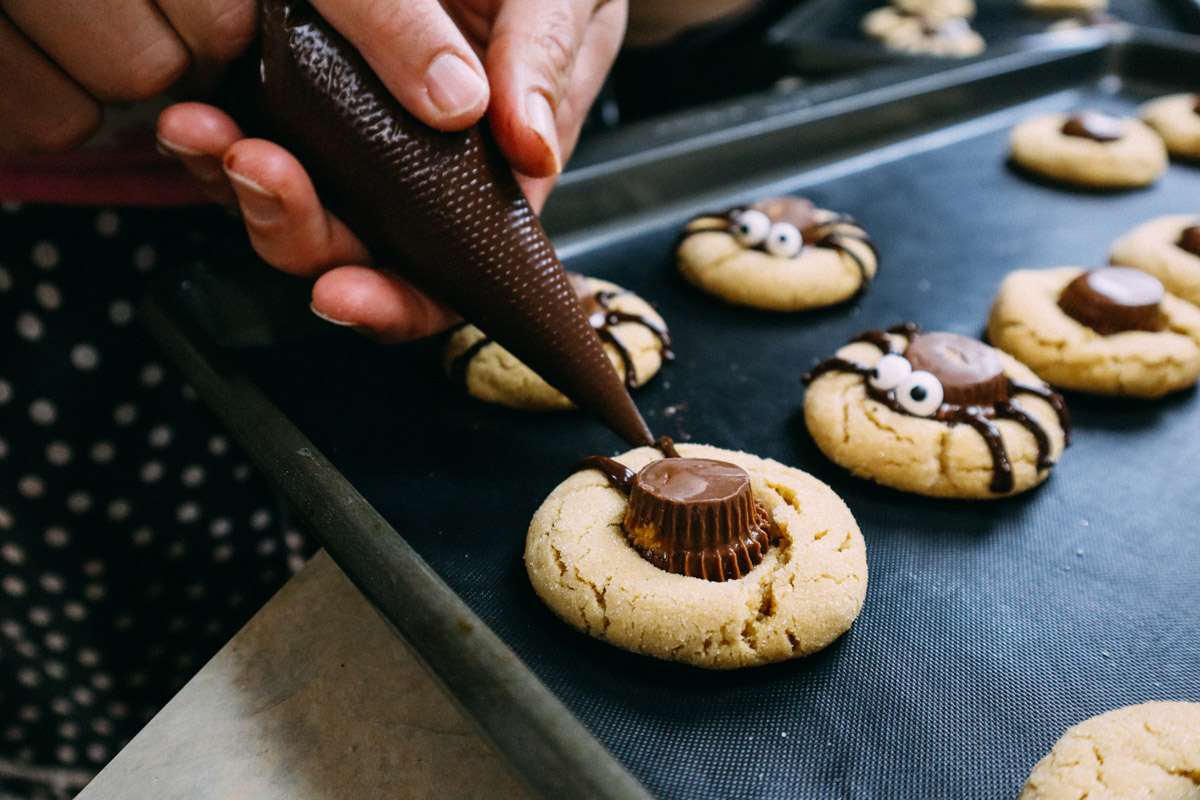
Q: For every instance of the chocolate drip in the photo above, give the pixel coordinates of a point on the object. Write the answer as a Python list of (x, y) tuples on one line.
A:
[(462, 362), (1196, 107), (1095, 125), (619, 476), (833, 241), (976, 390), (445, 207), (1190, 240)]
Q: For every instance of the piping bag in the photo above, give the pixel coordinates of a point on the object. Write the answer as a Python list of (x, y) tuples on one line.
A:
[(444, 208)]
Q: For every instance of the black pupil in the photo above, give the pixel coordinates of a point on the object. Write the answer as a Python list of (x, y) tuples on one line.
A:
[(918, 393)]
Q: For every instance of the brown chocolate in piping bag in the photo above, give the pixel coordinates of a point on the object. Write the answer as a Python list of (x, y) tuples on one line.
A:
[(444, 207)]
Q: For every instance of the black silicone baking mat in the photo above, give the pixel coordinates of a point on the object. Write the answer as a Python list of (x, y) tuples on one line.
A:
[(826, 35), (989, 627)]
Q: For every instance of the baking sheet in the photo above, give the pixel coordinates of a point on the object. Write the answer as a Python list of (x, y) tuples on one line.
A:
[(989, 627), (826, 35)]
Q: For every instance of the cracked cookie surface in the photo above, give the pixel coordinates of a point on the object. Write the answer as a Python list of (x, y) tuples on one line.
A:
[(1027, 322), (1148, 750), (1136, 158), (924, 455), (494, 375), (804, 594), (1153, 247)]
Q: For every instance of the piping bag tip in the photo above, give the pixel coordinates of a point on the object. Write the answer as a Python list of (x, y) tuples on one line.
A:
[(444, 207)]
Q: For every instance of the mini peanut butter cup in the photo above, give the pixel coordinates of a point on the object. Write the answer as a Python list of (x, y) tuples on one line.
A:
[(970, 372), (798, 211), (1095, 125), (696, 517), (1190, 240), (1113, 299)]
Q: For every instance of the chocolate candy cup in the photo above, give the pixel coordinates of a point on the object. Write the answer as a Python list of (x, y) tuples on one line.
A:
[(970, 372), (443, 207), (696, 517), (797, 211), (1095, 125), (1114, 299)]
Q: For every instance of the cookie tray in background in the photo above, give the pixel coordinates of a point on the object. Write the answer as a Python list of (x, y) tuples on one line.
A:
[(989, 627), (826, 35)]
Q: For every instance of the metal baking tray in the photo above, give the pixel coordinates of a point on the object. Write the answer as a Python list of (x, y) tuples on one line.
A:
[(989, 627), (826, 35)]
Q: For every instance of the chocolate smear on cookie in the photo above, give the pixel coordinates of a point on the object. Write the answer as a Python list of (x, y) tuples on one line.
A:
[(1095, 125), (1114, 299), (952, 379), (690, 516), (1190, 240)]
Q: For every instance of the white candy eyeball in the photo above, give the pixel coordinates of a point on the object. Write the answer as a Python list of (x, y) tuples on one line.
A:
[(920, 394), (889, 371), (784, 240), (750, 227)]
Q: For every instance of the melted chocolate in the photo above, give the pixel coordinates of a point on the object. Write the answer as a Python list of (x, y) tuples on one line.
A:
[(1114, 299), (968, 373), (1095, 125), (690, 516), (1190, 240), (444, 207), (601, 317)]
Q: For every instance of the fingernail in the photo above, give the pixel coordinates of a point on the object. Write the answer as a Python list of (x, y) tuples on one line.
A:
[(541, 120), (328, 318), (169, 148), (203, 167), (259, 206), (453, 86)]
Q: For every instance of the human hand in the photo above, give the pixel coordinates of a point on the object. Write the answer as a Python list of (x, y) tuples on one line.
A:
[(61, 61), (534, 67)]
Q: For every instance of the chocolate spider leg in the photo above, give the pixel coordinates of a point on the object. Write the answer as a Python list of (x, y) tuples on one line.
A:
[(1002, 477), (1050, 396), (462, 362), (836, 365), (1011, 410), (615, 317), (834, 241), (878, 338), (909, 330), (626, 359)]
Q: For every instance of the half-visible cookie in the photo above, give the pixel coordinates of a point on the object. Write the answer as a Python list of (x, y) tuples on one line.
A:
[(1111, 331), (1148, 750), (779, 254), (1176, 118), (1090, 148), (634, 335), (937, 414), (718, 558), (1169, 249)]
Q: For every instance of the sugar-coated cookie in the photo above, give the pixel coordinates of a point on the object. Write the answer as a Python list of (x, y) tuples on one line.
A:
[(793, 585), (1148, 750), (779, 254), (937, 11), (1111, 331), (1090, 148), (1176, 118), (634, 335), (1064, 6), (937, 414), (917, 34), (1169, 249)]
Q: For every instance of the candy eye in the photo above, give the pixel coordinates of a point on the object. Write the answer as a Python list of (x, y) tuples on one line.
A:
[(750, 227), (784, 240), (920, 394), (889, 371)]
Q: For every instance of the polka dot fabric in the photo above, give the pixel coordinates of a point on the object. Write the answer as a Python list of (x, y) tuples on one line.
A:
[(135, 538)]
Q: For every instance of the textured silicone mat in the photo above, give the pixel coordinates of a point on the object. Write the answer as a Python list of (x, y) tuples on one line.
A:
[(989, 627)]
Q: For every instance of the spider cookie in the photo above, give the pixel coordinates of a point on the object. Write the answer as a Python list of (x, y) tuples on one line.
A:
[(1148, 750), (919, 34), (1169, 249), (779, 254), (1176, 118), (1090, 148), (634, 335), (937, 11), (1111, 331), (937, 414), (712, 557)]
